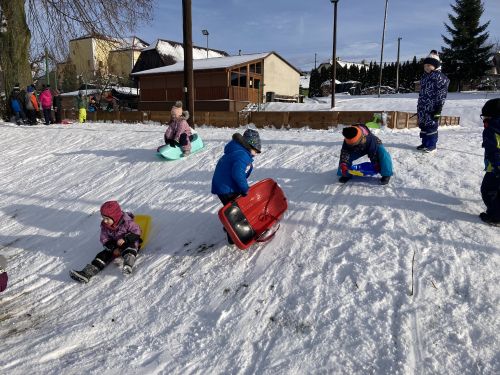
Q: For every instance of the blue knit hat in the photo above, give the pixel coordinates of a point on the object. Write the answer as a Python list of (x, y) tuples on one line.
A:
[(253, 139)]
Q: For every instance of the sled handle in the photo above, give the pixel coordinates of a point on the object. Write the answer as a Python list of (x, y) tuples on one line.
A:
[(260, 238)]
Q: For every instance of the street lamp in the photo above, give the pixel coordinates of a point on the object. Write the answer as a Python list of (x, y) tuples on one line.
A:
[(334, 52), (382, 50), (205, 32)]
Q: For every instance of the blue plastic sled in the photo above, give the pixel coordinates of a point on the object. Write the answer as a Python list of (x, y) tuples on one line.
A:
[(175, 153), (363, 169)]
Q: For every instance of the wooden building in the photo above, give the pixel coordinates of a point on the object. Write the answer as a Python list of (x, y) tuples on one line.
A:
[(221, 84)]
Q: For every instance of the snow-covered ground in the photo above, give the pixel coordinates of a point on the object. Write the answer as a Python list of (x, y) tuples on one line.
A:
[(360, 278)]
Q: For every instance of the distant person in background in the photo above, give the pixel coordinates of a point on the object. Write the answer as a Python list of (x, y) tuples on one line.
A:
[(46, 102), (490, 187), (57, 104), (16, 102), (31, 104), (433, 91), (110, 102), (358, 142), (4, 278), (92, 104), (81, 104)]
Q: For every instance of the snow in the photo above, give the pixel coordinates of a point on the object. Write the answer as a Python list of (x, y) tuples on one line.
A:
[(176, 50), (210, 63), (332, 293)]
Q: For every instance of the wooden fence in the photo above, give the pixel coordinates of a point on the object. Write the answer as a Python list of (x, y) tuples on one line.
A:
[(298, 119)]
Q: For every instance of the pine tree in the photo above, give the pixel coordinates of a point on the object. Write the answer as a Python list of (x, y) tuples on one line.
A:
[(466, 56), (314, 84)]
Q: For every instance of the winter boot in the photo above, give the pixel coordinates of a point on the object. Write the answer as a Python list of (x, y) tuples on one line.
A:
[(344, 179), (128, 263), (385, 180), (488, 219), (84, 275), (421, 148)]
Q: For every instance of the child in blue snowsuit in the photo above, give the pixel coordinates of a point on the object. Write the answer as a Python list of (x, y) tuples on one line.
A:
[(16, 101), (433, 91), (234, 167), (360, 141), (490, 188)]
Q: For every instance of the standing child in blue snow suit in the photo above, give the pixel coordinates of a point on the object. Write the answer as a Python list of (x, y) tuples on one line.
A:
[(235, 166), (490, 188), (433, 91), (120, 236), (360, 141)]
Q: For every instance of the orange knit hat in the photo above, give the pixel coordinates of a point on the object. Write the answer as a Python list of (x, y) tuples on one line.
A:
[(352, 135)]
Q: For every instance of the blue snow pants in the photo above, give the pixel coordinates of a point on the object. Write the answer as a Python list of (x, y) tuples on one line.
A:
[(429, 134), (384, 159)]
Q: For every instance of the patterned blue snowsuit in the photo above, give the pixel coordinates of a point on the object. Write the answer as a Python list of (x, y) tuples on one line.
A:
[(490, 187), (433, 91)]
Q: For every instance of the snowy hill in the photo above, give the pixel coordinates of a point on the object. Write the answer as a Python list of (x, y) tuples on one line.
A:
[(360, 279)]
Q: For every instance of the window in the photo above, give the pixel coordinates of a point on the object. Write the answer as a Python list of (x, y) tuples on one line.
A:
[(256, 83), (258, 68), (234, 79), (243, 80)]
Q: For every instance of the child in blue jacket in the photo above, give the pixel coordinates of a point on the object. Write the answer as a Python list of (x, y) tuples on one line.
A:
[(234, 167), (433, 91), (358, 142), (490, 187)]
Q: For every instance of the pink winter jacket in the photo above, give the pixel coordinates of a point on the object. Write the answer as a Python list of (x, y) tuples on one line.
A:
[(46, 99), (176, 127), (125, 225)]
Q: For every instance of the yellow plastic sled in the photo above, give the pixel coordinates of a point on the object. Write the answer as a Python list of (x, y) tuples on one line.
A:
[(144, 221)]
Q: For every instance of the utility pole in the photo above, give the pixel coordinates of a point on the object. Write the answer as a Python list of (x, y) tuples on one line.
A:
[(315, 61), (382, 50), (334, 57), (397, 66), (187, 28)]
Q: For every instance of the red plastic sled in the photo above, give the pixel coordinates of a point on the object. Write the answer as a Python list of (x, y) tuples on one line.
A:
[(255, 217)]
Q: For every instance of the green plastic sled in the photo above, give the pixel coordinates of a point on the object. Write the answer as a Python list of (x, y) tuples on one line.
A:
[(175, 153)]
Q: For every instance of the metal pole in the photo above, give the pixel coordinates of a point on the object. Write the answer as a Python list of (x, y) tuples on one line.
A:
[(207, 45), (397, 66), (382, 49), (334, 59), (188, 59)]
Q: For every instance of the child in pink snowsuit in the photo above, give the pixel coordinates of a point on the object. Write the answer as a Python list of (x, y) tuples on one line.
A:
[(178, 132), (46, 101), (120, 236)]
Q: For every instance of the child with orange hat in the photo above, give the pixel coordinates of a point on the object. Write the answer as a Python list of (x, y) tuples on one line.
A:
[(120, 236), (358, 142)]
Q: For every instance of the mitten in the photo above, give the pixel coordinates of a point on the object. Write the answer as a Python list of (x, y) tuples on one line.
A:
[(130, 240), (344, 169), (110, 245)]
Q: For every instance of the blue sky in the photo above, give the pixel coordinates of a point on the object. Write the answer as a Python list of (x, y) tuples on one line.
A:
[(299, 29)]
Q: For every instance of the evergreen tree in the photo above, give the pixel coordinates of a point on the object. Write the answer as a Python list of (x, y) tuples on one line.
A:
[(315, 84), (467, 53), (69, 82)]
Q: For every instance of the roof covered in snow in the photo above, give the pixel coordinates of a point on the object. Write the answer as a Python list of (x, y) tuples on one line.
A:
[(176, 50), (213, 63)]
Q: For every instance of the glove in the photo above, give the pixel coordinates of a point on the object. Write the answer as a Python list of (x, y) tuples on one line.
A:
[(344, 169), (110, 245), (130, 240), (437, 113)]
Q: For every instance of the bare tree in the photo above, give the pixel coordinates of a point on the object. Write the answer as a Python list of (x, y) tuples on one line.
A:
[(36, 25)]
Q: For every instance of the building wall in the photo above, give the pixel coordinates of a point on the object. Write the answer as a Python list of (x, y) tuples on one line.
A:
[(280, 77), (121, 62), (82, 55)]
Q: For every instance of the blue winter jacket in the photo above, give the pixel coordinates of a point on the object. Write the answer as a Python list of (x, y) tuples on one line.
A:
[(232, 170), (491, 144), (433, 91)]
